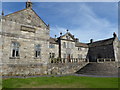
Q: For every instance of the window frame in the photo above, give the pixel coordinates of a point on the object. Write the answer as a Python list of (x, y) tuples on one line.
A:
[(37, 51), (15, 50), (64, 44), (51, 45)]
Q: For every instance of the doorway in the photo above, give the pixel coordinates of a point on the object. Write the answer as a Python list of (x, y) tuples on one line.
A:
[(68, 57)]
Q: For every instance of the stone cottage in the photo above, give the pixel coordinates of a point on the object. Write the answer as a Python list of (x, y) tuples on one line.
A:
[(27, 48)]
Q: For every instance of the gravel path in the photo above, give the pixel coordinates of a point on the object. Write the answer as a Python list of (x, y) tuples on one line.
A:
[(56, 76)]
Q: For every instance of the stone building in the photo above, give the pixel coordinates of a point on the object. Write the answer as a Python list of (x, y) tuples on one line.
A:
[(27, 48), (107, 50), (25, 39), (68, 47)]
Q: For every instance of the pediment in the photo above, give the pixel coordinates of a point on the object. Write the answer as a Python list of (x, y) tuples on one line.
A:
[(27, 17), (68, 36)]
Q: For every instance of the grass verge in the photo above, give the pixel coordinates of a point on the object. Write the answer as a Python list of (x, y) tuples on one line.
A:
[(61, 82)]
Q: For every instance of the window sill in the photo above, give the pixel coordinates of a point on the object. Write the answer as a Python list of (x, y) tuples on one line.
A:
[(14, 57), (37, 58)]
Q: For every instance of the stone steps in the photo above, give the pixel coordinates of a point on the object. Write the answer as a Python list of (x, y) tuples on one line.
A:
[(105, 69)]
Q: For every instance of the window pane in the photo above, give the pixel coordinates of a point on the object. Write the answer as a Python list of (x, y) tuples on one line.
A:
[(64, 45), (50, 55), (15, 49), (17, 53), (36, 54), (51, 46), (13, 53), (53, 55), (37, 50)]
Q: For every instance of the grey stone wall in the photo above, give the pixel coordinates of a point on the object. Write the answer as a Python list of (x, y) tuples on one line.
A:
[(105, 51), (72, 50), (116, 47), (65, 68), (41, 69), (12, 31), (55, 50)]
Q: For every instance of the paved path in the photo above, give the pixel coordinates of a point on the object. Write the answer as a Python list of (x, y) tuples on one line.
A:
[(56, 76)]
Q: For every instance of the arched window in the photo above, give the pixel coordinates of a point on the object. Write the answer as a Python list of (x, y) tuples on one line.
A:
[(15, 49), (38, 51)]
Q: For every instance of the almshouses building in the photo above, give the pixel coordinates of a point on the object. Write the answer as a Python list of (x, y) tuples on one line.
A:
[(26, 43)]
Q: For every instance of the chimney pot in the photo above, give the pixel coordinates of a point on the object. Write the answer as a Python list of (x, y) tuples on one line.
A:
[(91, 40)]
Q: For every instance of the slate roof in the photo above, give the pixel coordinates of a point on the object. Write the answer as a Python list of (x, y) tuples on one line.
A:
[(102, 42), (53, 40), (79, 44)]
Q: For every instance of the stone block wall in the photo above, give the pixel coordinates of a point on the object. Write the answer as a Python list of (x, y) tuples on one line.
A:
[(116, 46), (55, 50), (73, 50), (41, 69), (65, 68), (105, 51)]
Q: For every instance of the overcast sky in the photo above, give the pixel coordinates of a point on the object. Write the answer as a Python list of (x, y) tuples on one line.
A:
[(84, 20)]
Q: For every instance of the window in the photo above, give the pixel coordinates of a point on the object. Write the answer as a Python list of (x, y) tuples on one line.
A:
[(15, 49), (68, 37), (64, 45), (64, 55), (67, 44), (72, 45), (52, 55), (51, 46), (79, 48), (84, 56), (71, 55), (79, 55), (37, 51)]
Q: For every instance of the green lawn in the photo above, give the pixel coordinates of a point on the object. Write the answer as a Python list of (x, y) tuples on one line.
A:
[(61, 82)]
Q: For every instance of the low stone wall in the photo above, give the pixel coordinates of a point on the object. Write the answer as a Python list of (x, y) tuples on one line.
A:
[(65, 68), (24, 69), (40, 69)]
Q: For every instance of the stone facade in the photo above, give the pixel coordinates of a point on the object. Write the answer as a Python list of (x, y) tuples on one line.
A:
[(27, 29), (26, 47), (104, 50)]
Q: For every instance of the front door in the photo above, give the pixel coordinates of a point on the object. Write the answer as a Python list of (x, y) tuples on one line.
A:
[(68, 57)]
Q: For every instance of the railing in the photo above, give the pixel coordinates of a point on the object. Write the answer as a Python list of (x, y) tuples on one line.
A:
[(66, 60), (105, 60)]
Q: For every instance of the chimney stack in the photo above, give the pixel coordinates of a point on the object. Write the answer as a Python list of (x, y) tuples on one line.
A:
[(28, 4), (60, 33), (77, 40), (91, 40), (67, 30), (55, 36), (114, 35), (2, 13)]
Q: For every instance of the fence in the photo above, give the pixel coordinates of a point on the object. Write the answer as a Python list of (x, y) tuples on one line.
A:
[(66, 60), (105, 59)]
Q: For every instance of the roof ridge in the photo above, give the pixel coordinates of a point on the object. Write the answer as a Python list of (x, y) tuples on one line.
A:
[(26, 9), (104, 40), (15, 12)]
